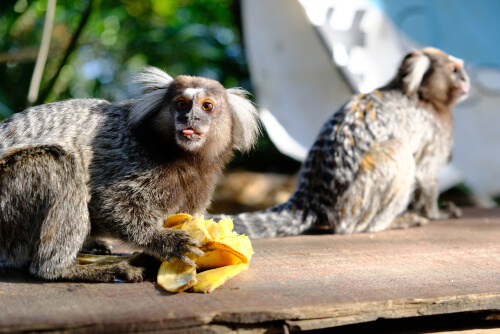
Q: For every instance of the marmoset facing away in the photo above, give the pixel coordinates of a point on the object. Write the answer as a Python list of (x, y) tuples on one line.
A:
[(376, 156), (88, 167)]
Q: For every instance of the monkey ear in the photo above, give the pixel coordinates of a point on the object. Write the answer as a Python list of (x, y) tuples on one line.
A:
[(245, 119), (152, 83), (413, 69)]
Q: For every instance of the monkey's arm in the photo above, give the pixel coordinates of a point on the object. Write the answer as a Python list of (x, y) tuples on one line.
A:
[(425, 201), (128, 211), (425, 198), (162, 243)]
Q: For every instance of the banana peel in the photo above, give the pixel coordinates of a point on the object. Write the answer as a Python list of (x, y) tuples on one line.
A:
[(176, 219), (176, 276), (226, 255), (219, 254), (101, 259), (209, 280)]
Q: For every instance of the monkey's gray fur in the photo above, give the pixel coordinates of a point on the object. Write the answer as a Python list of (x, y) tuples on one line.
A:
[(88, 167), (378, 154)]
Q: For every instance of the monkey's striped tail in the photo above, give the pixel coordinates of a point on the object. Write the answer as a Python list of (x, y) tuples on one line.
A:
[(279, 221)]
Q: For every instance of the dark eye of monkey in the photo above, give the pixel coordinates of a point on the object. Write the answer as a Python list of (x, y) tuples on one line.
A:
[(181, 104), (453, 69), (207, 106)]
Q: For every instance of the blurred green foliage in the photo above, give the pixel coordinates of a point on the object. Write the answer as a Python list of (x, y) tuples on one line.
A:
[(199, 37), (97, 45)]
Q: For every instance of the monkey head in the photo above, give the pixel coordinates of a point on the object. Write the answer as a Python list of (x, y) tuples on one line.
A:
[(199, 114), (433, 76), (199, 111), (445, 80)]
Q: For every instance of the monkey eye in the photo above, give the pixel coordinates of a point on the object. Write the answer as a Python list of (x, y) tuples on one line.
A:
[(181, 104), (207, 106), (453, 69)]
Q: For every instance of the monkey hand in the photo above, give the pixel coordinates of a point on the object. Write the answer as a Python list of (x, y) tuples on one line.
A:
[(174, 243)]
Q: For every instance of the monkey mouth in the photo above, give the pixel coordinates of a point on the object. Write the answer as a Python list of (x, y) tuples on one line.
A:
[(463, 90), (461, 93), (192, 134)]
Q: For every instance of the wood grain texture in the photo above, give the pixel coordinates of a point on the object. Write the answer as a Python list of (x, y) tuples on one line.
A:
[(305, 282)]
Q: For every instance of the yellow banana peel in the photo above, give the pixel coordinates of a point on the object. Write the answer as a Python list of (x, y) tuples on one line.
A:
[(100, 259), (226, 255), (176, 276), (196, 229), (209, 280), (175, 219)]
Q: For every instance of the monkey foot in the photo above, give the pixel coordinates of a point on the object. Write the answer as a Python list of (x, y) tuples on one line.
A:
[(408, 219), (96, 246)]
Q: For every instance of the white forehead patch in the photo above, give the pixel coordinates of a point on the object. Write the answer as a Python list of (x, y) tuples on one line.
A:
[(456, 60), (193, 92)]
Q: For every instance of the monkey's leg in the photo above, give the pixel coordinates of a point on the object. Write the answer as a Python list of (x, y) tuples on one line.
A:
[(48, 192), (381, 190)]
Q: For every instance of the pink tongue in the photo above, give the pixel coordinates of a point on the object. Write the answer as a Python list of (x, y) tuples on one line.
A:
[(188, 132)]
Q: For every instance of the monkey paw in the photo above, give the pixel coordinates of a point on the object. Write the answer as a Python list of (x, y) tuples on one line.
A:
[(96, 246), (177, 244)]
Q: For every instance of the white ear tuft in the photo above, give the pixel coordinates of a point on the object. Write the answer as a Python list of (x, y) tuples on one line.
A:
[(245, 119), (149, 79), (417, 67), (153, 84), (145, 106)]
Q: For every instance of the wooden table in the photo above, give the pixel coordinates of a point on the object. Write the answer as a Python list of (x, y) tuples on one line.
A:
[(306, 282)]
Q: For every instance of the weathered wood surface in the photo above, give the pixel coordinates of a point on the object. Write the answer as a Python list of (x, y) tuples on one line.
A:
[(305, 282)]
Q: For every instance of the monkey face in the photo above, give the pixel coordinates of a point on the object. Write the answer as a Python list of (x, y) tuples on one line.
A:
[(199, 112), (193, 117), (459, 80)]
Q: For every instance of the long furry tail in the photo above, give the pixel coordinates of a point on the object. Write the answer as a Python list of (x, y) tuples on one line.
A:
[(279, 221)]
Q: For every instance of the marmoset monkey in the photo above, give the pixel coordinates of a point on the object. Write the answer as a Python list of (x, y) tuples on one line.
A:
[(376, 156), (88, 167)]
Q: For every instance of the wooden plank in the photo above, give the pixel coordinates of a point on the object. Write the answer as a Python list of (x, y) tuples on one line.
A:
[(305, 282), (472, 331)]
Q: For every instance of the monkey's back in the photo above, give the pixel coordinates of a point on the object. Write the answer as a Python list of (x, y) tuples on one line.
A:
[(335, 157), (354, 139), (71, 125), (44, 157)]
